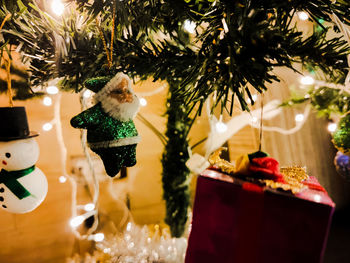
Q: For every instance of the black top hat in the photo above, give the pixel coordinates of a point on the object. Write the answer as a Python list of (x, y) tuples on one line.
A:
[(14, 124)]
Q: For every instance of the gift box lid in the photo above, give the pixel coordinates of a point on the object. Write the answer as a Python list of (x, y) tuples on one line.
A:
[(313, 191)]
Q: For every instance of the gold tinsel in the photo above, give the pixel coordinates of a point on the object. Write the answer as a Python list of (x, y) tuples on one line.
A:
[(294, 175)]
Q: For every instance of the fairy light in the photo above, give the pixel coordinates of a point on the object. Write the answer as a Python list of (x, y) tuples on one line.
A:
[(221, 127), (332, 127), (254, 119), (47, 126), (99, 237), (57, 7), (47, 101), (87, 94), (303, 15), (76, 221), (190, 26), (299, 117), (143, 102), (307, 80), (62, 179), (89, 207), (52, 90), (317, 198)]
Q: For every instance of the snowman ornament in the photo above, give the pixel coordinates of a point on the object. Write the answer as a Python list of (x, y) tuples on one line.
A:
[(23, 186)]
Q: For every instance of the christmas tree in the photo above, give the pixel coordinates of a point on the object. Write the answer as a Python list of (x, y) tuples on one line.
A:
[(201, 48)]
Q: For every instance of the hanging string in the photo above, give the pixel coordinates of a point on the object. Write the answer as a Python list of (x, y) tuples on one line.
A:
[(8, 66), (113, 27), (261, 121), (109, 53), (104, 43), (5, 19), (9, 88)]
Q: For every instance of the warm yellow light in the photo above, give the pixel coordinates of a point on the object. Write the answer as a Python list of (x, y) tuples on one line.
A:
[(87, 94), (62, 179), (307, 80), (99, 237), (190, 26), (143, 102), (76, 221), (89, 207), (299, 117), (220, 127), (47, 126), (47, 101), (303, 15), (52, 90), (57, 7), (332, 127)]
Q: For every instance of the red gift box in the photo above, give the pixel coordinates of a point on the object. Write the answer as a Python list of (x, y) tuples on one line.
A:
[(241, 222)]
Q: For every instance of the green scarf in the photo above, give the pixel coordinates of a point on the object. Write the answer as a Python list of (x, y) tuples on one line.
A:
[(10, 180)]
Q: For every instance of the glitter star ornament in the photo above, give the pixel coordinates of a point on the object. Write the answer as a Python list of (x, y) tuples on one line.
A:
[(111, 132)]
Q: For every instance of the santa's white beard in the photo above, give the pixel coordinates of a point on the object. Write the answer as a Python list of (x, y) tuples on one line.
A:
[(122, 111)]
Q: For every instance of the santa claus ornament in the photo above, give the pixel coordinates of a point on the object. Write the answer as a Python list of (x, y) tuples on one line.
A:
[(23, 186), (111, 132)]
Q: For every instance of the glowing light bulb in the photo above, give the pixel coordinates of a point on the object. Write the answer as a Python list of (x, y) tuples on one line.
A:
[(47, 101), (254, 97), (307, 80), (76, 221), (106, 250), (57, 7), (143, 102), (47, 126), (52, 90), (128, 227), (220, 127), (303, 15), (317, 198), (62, 179), (99, 237), (87, 94), (190, 26), (89, 207), (332, 127), (299, 117)]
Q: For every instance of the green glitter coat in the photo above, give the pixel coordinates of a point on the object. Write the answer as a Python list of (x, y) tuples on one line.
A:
[(101, 126)]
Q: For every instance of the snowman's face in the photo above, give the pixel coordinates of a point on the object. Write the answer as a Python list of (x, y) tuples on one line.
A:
[(18, 154)]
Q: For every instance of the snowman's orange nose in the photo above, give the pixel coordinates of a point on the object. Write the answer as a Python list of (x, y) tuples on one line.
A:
[(4, 162)]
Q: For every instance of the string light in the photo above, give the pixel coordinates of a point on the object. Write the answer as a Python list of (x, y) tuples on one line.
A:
[(303, 15), (143, 102), (299, 117), (87, 94), (190, 26), (98, 237), (47, 101), (47, 126), (332, 127), (57, 7), (62, 179), (317, 198), (307, 80), (89, 207), (254, 119), (76, 221), (52, 90)]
